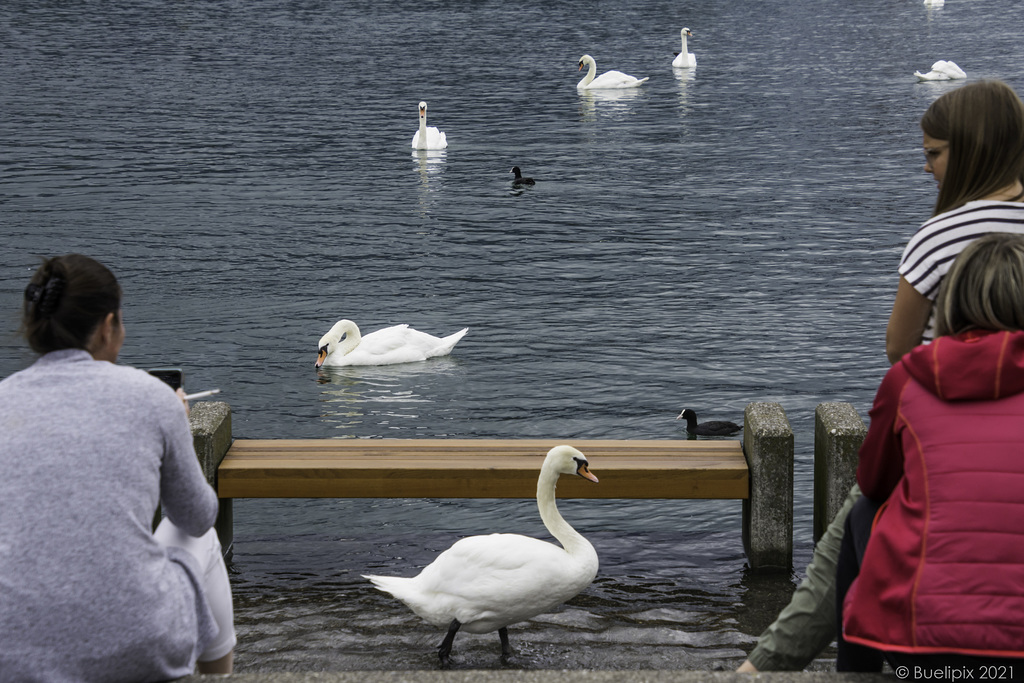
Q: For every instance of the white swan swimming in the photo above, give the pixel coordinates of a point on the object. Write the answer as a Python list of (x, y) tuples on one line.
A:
[(609, 79), (428, 138), (485, 583), (684, 59), (387, 346), (942, 70)]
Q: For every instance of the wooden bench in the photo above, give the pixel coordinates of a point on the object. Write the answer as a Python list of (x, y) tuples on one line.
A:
[(758, 471), (477, 468)]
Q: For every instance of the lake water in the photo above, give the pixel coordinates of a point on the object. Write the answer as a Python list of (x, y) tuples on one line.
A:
[(713, 238)]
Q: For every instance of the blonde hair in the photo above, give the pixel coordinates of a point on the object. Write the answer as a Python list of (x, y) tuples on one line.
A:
[(984, 288), (983, 123)]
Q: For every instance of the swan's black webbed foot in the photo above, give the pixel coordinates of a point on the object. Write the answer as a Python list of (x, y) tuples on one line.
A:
[(445, 648), (506, 649)]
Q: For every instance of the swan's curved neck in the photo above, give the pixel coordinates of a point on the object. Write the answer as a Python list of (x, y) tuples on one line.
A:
[(573, 542), (423, 128), (591, 73), (684, 52), (351, 340)]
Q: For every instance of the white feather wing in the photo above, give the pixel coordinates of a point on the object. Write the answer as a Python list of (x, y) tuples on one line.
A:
[(487, 582)]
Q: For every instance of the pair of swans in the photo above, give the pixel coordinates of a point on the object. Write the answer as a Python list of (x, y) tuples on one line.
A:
[(942, 70), (343, 345), (432, 138), (428, 138), (617, 79), (485, 583)]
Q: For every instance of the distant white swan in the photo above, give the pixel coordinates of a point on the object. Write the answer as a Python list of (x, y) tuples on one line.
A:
[(942, 70), (428, 138), (609, 79), (934, 3), (484, 583), (684, 59), (388, 346)]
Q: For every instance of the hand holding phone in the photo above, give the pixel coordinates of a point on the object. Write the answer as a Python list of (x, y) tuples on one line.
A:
[(173, 378), (170, 376)]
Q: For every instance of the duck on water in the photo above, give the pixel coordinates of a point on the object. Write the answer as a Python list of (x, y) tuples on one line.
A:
[(519, 180), (712, 428)]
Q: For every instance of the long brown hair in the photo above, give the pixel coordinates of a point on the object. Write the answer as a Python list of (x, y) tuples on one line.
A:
[(983, 123), (984, 288), (66, 300)]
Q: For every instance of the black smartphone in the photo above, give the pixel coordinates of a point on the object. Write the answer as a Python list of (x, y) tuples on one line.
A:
[(170, 376)]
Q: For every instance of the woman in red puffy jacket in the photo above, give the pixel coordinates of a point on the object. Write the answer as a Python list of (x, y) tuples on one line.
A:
[(931, 572)]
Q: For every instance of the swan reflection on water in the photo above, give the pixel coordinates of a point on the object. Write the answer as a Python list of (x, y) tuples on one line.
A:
[(349, 374), (384, 394), (683, 79), (429, 164), (611, 98)]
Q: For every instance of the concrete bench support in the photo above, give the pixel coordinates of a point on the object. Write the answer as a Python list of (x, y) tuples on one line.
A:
[(211, 437), (768, 513), (838, 434)]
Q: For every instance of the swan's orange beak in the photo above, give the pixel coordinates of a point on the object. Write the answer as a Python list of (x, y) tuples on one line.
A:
[(321, 357), (581, 67), (585, 472)]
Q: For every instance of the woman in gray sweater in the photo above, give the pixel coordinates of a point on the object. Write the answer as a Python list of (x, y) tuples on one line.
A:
[(88, 450)]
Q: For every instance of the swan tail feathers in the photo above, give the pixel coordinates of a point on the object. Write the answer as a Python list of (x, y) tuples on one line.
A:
[(388, 584), (429, 605), (399, 587), (457, 335), (448, 343)]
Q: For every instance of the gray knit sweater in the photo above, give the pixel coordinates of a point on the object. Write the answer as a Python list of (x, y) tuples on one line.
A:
[(87, 450)]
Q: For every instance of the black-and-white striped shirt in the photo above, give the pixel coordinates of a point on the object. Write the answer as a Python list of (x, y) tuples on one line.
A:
[(932, 249)]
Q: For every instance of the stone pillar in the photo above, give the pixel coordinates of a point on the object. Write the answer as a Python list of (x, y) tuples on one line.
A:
[(211, 437), (838, 434), (768, 513)]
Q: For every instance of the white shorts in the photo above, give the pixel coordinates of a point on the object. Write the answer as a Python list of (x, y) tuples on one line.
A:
[(206, 549)]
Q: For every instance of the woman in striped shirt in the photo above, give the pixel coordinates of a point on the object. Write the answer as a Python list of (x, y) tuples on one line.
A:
[(974, 148)]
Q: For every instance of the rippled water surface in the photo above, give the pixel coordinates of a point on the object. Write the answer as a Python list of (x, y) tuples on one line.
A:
[(713, 238)]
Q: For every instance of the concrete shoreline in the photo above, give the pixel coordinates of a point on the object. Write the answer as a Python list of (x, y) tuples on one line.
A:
[(546, 676)]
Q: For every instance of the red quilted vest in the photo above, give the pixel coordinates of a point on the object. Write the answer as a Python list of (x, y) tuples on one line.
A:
[(944, 569)]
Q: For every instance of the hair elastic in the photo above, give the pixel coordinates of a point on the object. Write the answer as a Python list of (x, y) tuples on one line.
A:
[(46, 298), (33, 293)]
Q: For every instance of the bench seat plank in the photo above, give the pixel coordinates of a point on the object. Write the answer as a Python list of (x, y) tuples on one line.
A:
[(477, 468)]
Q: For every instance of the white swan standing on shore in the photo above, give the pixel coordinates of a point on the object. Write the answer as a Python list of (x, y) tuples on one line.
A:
[(387, 346), (609, 79), (684, 59), (428, 138), (485, 583), (942, 70)]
